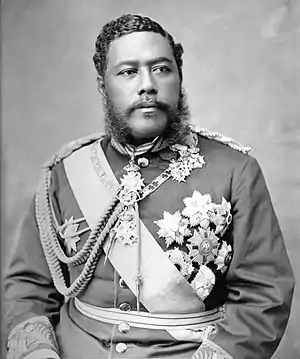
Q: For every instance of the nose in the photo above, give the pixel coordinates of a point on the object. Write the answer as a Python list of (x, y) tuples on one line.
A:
[(147, 84)]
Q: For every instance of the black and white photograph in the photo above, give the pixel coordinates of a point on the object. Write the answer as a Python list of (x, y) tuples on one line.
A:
[(150, 179)]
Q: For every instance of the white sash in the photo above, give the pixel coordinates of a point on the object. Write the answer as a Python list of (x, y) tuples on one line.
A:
[(164, 289)]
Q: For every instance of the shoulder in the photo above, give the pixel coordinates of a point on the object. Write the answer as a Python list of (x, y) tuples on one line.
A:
[(232, 164), (220, 138), (53, 178), (223, 152), (214, 143), (70, 147)]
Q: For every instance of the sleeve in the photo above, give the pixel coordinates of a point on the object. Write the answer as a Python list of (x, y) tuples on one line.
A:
[(31, 301), (260, 280)]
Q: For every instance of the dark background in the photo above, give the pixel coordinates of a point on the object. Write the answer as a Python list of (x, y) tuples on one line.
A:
[(241, 73)]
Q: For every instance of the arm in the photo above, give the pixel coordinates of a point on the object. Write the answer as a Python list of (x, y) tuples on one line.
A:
[(260, 279), (32, 303)]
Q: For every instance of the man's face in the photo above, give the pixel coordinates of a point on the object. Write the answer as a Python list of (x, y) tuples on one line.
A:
[(142, 83)]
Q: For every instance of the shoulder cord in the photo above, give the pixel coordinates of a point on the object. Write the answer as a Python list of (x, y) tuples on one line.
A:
[(54, 254), (82, 255), (217, 136), (51, 244)]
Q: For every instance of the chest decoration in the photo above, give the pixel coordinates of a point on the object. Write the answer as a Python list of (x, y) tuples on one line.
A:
[(194, 237), (133, 188), (70, 234), (189, 159)]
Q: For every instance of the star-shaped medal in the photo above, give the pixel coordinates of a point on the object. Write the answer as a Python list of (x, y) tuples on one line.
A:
[(70, 235)]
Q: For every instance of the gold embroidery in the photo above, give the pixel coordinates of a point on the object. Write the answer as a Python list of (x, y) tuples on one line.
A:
[(31, 335), (210, 350), (217, 136)]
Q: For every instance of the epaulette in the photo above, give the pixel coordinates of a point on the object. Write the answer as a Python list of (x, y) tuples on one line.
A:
[(67, 149), (217, 136)]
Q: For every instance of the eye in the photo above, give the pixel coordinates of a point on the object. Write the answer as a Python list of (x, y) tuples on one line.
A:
[(162, 69), (128, 72)]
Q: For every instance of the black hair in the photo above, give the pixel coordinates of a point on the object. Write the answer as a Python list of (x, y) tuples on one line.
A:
[(127, 24)]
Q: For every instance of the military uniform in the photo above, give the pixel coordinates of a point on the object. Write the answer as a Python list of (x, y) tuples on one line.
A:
[(249, 281)]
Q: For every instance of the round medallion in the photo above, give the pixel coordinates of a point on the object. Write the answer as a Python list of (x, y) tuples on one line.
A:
[(121, 348), (205, 247), (124, 328)]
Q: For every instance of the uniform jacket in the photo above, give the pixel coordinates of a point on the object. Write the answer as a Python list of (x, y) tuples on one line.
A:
[(256, 289)]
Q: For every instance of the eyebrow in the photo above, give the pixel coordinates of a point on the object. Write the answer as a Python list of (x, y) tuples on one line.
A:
[(149, 62)]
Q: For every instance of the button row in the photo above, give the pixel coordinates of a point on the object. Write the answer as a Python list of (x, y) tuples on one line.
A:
[(123, 327)]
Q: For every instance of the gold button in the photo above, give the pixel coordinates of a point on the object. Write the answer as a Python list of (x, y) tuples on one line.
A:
[(124, 328), (122, 283), (143, 162), (126, 307), (121, 348)]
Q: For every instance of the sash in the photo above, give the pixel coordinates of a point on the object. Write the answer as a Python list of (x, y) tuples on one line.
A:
[(164, 289)]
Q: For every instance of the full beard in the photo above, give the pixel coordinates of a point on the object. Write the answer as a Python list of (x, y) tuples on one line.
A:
[(178, 125)]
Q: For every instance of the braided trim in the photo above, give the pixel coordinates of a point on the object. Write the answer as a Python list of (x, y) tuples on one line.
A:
[(210, 350), (48, 238), (82, 255), (90, 252), (217, 136), (70, 147)]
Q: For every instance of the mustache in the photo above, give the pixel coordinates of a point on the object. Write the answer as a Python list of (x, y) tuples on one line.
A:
[(178, 117), (149, 103)]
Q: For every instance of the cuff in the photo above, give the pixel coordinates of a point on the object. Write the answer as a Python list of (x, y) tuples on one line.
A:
[(42, 354), (210, 350), (34, 338)]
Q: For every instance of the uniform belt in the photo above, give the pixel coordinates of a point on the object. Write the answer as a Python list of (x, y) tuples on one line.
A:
[(147, 320)]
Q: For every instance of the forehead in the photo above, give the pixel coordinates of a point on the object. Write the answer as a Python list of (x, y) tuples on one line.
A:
[(138, 46)]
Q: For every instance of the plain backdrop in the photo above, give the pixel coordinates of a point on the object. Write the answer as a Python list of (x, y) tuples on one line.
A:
[(241, 73)]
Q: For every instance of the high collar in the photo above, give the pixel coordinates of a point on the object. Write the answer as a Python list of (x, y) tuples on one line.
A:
[(159, 143)]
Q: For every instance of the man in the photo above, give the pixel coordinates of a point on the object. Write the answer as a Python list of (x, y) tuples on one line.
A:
[(154, 240)]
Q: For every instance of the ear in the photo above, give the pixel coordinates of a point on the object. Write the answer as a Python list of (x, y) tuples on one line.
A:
[(100, 81)]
